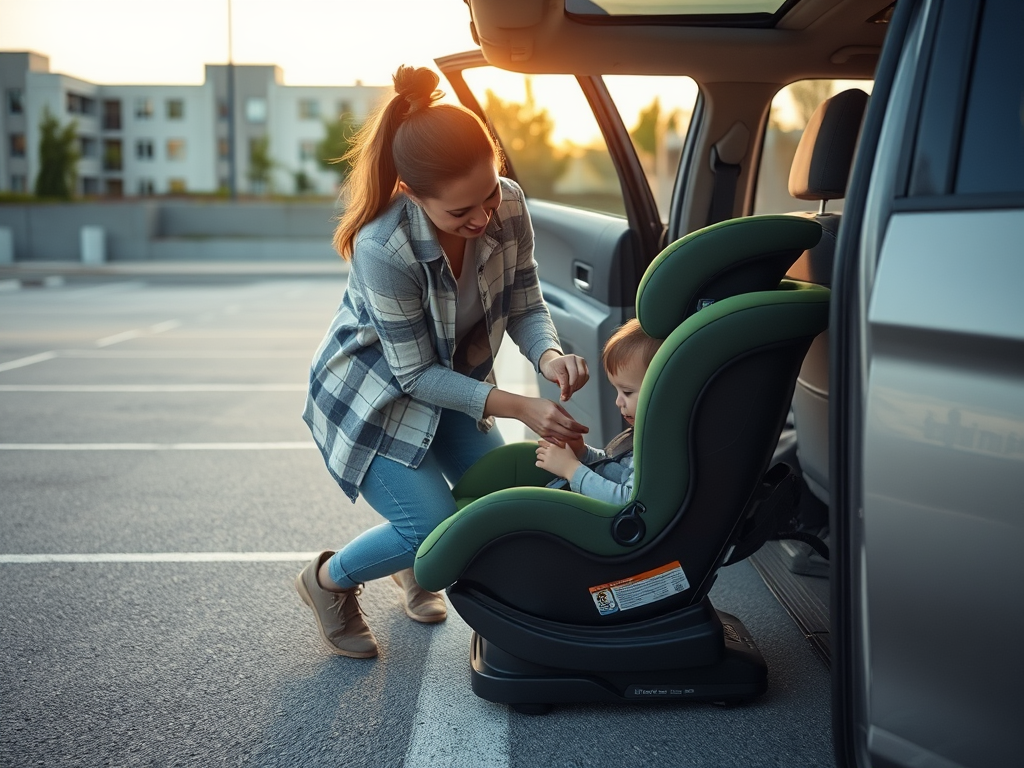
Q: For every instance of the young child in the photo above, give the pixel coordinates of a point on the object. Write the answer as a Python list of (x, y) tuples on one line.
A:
[(606, 475)]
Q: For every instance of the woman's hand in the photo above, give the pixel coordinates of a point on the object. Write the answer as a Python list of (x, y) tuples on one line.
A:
[(558, 460), (546, 418), (550, 420), (569, 372)]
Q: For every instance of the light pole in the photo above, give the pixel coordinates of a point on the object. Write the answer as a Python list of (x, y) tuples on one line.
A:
[(232, 186)]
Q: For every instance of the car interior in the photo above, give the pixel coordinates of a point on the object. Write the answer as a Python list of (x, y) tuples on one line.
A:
[(596, 260)]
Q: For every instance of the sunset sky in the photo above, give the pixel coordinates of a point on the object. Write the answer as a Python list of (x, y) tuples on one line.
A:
[(315, 42)]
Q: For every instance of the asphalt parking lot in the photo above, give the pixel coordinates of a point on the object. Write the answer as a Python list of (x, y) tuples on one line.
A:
[(158, 494)]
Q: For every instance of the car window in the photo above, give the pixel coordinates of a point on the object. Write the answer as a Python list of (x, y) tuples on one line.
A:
[(992, 151), (551, 137), (657, 112), (791, 108)]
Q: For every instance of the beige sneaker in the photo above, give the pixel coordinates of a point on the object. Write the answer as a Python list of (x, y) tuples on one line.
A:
[(420, 605), (337, 614)]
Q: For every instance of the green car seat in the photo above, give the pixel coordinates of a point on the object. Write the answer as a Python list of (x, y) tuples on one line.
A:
[(573, 599)]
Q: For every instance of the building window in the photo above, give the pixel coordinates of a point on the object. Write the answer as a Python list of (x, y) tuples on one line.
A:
[(17, 145), (115, 187), (88, 146), (15, 101), (344, 107), (175, 149), (146, 187), (112, 160), (175, 109), (256, 110), (90, 185), (223, 149), (309, 109), (176, 186), (307, 150), (143, 109), (19, 182), (77, 104), (112, 115), (144, 149)]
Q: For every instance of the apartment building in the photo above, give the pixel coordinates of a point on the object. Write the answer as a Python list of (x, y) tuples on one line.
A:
[(139, 140)]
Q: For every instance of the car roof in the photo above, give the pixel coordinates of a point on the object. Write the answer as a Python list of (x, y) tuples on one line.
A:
[(838, 39)]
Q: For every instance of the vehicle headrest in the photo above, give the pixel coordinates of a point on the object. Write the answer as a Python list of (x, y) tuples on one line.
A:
[(821, 166), (726, 259)]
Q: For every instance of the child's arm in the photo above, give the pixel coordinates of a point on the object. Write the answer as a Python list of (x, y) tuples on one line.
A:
[(566, 463), (589, 483), (559, 460)]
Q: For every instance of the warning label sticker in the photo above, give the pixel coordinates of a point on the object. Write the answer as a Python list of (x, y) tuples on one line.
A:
[(644, 588)]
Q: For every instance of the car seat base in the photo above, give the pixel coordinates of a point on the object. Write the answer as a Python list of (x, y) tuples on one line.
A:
[(501, 677)]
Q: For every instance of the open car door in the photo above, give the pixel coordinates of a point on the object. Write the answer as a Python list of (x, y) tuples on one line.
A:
[(595, 220)]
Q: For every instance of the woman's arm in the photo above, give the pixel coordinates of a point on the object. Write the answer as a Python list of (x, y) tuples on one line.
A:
[(544, 417)]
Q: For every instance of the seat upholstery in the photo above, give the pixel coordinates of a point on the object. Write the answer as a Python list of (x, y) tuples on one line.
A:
[(820, 171), (709, 413)]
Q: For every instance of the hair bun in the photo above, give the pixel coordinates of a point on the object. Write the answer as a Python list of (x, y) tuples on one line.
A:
[(417, 85)]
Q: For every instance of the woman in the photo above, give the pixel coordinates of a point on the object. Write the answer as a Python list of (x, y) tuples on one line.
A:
[(402, 396)]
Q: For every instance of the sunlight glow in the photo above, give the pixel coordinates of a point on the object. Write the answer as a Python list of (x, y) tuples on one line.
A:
[(315, 42)]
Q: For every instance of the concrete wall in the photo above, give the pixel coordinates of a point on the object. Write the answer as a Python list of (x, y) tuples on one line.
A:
[(175, 229)]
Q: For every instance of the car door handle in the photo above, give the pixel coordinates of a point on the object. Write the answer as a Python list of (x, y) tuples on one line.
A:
[(582, 275)]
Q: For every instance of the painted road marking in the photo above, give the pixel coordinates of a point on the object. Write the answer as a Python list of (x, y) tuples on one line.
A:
[(117, 338), (153, 387), (21, 362), (156, 354), (451, 726), (282, 446), (167, 325), (162, 557)]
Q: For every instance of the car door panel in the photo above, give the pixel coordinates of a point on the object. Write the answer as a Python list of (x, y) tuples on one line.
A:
[(567, 239), (927, 481)]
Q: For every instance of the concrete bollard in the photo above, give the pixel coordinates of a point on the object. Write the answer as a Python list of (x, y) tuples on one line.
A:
[(6, 246), (94, 245)]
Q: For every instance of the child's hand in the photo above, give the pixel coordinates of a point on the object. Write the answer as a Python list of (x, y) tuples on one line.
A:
[(577, 446), (558, 460)]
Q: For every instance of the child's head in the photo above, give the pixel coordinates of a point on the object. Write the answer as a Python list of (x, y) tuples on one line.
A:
[(626, 356)]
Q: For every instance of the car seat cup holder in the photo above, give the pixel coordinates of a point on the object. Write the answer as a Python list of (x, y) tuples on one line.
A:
[(628, 528)]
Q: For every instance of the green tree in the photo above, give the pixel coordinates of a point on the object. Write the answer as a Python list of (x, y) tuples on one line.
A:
[(331, 151), (805, 95), (304, 185), (645, 134), (525, 132), (260, 164), (58, 158)]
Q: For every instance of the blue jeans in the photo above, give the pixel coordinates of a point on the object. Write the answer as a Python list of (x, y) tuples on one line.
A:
[(413, 501)]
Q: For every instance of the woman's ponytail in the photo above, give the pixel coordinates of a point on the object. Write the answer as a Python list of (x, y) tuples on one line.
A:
[(413, 139)]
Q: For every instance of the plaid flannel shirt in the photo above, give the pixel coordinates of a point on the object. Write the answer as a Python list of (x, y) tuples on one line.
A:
[(389, 363)]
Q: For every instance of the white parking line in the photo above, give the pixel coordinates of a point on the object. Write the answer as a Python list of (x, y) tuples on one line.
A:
[(156, 354), (118, 337), (21, 362), (168, 325), (153, 387), (451, 726), (282, 446), (162, 557)]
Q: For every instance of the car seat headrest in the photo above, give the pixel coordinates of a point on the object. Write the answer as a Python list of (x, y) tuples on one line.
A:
[(726, 259), (821, 166)]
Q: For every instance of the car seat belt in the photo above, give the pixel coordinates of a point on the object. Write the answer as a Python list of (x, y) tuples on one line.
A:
[(726, 155), (770, 515)]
